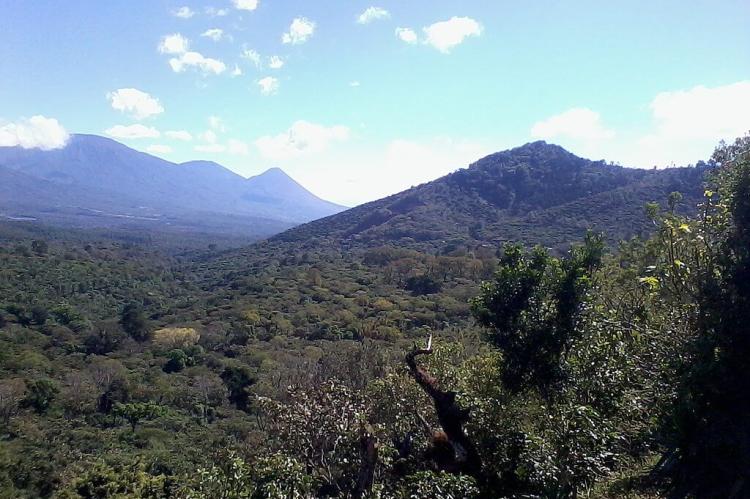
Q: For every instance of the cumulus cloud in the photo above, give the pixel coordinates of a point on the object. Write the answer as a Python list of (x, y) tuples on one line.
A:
[(179, 135), (135, 103), (275, 62), (268, 85), (578, 123), (372, 14), (178, 45), (703, 113), (688, 124), (198, 61), (301, 139), (300, 31), (37, 132), (245, 4), (406, 35), (215, 34), (159, 149), (174, 44), (183, 12), (136, 131), (237, 71), (445, 35), (252, 56)]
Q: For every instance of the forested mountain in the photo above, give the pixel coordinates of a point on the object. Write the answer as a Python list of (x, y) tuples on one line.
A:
[(97, 181), (537, 193)]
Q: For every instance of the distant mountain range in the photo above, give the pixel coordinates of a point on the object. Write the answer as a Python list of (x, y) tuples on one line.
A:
[(95, 181), (538, 193)]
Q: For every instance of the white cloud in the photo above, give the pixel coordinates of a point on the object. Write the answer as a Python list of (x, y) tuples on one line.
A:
[(215, 34), (135, 103), (445, 35), (217, 124), (268, 85), (214, 12), (275, 62), (174, 44), (136, 131), (688, 124), (703, 113), (237, 71), (197, 61), (37, 132), (578, 123), (184, 12), (406, 35), (354, 83), (179, 135), (301, 139), (382, 168), (245, 4), (252, 56), (214, 148), (209, 136), (372, 14), (299, 31), (159, 149), (237, 147)]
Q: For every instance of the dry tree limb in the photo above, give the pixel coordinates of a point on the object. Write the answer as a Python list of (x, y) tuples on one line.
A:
[(452, 418), (368, 452)]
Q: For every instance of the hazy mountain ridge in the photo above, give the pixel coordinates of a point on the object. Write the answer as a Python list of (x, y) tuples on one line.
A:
[(96, 173)]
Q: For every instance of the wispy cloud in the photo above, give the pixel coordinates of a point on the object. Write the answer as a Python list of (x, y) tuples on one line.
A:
[(372, 14), (136, 131)]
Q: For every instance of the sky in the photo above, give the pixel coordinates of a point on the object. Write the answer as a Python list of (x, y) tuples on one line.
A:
[(357, 100)]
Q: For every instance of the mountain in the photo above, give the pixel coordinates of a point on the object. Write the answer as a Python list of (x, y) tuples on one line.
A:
[(93, 174), (536, 193)]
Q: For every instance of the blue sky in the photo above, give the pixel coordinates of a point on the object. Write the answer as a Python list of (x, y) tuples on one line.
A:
[(371, 98)]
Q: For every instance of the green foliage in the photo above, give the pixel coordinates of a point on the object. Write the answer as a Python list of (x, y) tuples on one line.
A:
[(711, 427), (274, 477), (133, 322), (39, 394), (428, 484), (533, 306), (136, 412), (238, 379), (116, 481)]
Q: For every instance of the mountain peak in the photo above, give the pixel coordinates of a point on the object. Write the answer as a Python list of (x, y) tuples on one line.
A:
[(274, 171)]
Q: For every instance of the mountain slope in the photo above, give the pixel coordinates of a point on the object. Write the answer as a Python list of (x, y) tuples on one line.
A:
[(97, 169), (536, 193)]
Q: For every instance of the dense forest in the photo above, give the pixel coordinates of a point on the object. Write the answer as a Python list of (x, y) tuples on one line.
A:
[(537, 325)]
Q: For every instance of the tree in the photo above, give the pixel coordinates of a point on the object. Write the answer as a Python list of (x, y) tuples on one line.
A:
[(135, 412), (711, 421), (39, 394), (39, 247), (12, 392), (133, 322), (532, 307), (238, 380)]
